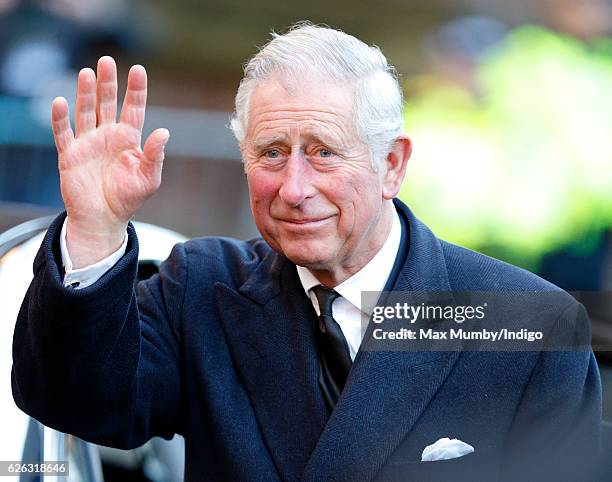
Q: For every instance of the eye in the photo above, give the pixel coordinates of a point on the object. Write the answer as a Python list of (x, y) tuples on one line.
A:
[(272, 154), (324, 153)]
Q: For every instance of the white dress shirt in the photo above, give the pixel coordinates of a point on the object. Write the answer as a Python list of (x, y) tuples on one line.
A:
[(346, 309)]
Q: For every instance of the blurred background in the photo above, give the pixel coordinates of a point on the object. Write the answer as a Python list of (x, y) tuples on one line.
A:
[(509, 106)]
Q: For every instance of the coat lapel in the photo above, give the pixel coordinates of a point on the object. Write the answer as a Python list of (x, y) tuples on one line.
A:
[(268, 323), (387, 391)]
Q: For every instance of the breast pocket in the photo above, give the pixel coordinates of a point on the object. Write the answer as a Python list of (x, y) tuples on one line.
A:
[(472, 467)]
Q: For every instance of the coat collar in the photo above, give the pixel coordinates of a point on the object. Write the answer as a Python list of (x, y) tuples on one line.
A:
[(269, 325), (268, 322)]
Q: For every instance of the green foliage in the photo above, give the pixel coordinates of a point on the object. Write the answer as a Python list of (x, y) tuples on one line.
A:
[(525, 165)]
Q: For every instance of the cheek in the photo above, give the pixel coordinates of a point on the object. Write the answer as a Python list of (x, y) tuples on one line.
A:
[(356, 199), (346, 198), (262, 191), (262, 188)]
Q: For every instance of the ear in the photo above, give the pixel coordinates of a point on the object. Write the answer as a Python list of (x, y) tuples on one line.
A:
[(396, 163)]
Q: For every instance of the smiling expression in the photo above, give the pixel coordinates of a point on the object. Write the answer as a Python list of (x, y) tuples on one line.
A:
[(314, 195)]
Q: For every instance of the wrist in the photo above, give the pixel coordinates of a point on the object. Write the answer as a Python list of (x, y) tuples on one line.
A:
[(88, 244)]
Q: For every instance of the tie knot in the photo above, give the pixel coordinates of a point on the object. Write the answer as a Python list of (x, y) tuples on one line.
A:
[(325, 297)]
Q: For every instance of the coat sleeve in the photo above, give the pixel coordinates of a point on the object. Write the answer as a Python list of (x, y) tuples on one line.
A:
[(556, 433), (94, 362)]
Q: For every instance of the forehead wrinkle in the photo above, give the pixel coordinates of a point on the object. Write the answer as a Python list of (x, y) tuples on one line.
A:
[(300, 113), (261, 138), (292, 128), (297, 114)]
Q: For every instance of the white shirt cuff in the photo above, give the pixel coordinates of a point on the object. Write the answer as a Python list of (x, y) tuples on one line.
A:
[(84, 277)]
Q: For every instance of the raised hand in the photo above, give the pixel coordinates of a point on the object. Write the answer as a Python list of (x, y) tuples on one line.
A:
[(105, 175)]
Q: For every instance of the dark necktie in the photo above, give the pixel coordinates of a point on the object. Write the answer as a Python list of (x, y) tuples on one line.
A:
[(335, 361)]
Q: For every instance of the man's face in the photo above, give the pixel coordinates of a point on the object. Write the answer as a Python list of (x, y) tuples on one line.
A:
[(314, 195)]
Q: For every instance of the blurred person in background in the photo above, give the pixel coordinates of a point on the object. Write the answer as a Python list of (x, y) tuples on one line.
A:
[(253, 351), (42, 44)]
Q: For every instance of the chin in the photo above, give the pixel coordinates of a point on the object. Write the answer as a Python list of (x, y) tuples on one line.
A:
[(307, 256)]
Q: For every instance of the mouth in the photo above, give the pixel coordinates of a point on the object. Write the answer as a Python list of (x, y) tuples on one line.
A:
[(304, 223)]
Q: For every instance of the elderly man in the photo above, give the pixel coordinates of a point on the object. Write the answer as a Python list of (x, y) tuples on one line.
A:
[(254, 350)]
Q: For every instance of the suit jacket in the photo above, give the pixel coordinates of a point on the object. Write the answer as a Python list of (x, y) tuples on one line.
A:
[(220, 348)]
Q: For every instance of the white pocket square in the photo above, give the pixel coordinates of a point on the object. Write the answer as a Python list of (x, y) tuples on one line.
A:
[(445, 449)]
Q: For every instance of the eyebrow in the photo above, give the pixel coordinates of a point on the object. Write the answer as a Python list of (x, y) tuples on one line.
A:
[(267, 141), (283, 139)]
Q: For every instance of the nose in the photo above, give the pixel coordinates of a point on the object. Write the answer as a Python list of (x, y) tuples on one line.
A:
[(296, 183)]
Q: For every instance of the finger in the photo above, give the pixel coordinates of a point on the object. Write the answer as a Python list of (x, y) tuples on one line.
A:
[(106, 90), (85, 115), (133, 110), (60, 122), (153, 158)]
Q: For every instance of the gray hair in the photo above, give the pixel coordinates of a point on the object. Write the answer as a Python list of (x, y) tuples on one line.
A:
[(341, 58)]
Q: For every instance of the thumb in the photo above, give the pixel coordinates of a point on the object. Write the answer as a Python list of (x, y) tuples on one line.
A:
[(153, 151)]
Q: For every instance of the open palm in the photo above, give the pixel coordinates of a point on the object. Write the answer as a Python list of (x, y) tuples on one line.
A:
[(105, 175)]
